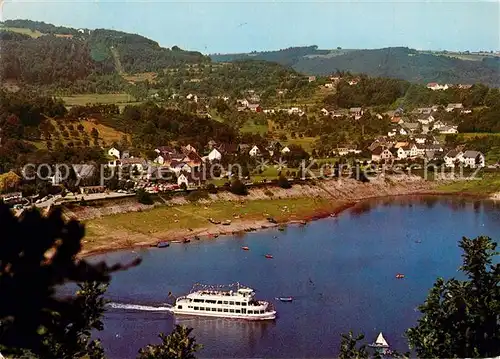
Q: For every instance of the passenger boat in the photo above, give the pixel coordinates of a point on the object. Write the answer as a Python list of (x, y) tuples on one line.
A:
[(212, 301), (268, 256), (245, 248), (380, 344), (162, 244), (285, 299)]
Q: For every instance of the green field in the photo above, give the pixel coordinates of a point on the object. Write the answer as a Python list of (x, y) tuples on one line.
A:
[(306, 142), (251, 127), (162, 220), (19, 30), (116, 98), (486, 184)]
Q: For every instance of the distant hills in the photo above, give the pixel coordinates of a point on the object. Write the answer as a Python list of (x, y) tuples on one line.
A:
[(393, 62), (34, 52), (83, 60)]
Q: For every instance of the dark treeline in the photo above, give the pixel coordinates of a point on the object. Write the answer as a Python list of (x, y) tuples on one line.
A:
[(485, 120), (49, 60), (385, 92), (152, 125), (368, 92)]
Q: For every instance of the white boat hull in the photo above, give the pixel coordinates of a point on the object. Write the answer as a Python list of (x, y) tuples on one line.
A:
[(266, 316)]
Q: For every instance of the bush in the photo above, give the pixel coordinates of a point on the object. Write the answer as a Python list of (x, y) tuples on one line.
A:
[(196, 195), (239, 188), (143, 197), (283, 182), (268, 193), (211, 188)]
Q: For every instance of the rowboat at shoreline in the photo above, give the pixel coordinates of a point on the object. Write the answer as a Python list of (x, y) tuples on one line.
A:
[(177, 241), (245, 248), (284, 299), (162, 244), (268, 256)]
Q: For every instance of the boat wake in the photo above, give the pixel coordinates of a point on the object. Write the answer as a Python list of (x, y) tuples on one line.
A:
[(142, 308)]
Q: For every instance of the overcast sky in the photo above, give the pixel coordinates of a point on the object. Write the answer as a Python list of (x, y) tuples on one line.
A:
[(243, 26)]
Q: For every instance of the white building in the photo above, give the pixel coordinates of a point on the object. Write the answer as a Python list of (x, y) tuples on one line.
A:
[(448, 130), (285, 150), (453, 157), (114, 152), (254, 151), (214, 155), (473, 159)]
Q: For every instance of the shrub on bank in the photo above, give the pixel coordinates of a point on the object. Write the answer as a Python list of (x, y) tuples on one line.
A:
[(283, 182), (143, 197), (196, 195), (237, 187)]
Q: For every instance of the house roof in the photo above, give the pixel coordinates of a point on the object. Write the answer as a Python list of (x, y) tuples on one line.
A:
[(253, 105), (84, 171), (378, 150), (472, 154), (355, 109), (455, 105), (410, 125), (133, 161), (453, 153), (228, 148)]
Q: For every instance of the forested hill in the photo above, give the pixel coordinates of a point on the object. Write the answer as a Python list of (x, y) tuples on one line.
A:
[(38, 53), (393, 62)]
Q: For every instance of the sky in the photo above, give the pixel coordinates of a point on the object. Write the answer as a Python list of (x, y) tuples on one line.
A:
[(231, 26)]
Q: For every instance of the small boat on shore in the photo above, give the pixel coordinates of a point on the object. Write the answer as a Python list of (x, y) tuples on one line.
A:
[(227, 222), (162, 244), (285, 299), (213, 221), (272, 220), (268, 256), (245, 248), (177, 241), (400, 276)]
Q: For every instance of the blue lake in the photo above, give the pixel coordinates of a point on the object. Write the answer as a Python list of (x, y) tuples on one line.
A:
[(341, 272)]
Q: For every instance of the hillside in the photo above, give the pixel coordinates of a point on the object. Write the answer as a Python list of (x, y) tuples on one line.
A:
[(397, 62), (43, 54)]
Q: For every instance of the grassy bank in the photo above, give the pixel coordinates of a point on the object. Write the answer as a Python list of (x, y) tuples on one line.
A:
[(170, 222), (487, 184)]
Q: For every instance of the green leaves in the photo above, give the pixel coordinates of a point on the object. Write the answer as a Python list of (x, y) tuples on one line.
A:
[(176, 345), (461, 318)]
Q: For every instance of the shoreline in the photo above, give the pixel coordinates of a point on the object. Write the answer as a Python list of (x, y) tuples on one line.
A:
[(239, 227)]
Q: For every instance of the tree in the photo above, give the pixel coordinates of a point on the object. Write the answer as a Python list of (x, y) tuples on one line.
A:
[(283, 182), (72, 337), (143, 197), (460, 318), (176, 345), (37, 254), (349, 347), (238, 187)]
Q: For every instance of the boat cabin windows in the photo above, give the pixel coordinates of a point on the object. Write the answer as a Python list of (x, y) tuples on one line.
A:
[(231, 310), (225, 302), (211, 301), (195, 308), (237, 303), (198, 300), (231, 303), (225, 310), (250, 311), (219, 302), (214, 309), (219, 309), (238, 311), (244, 304), (179, 307)]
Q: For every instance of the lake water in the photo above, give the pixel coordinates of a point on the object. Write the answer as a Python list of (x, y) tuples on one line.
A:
[(341, 272)]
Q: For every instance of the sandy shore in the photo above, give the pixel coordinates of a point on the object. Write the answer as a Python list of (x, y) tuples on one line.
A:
[(211, 231)]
